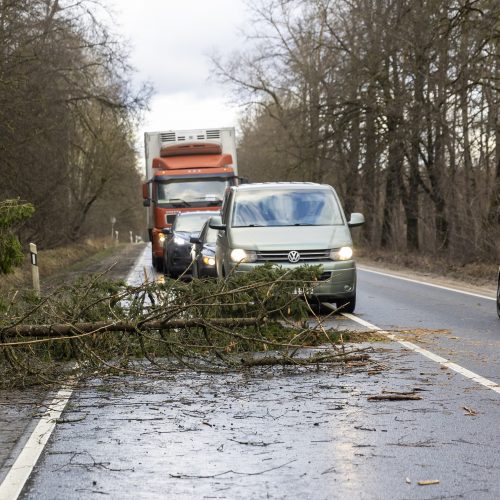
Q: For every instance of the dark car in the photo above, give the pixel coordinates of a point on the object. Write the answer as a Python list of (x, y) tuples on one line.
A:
[(204, 250), (498, 293), (177, 246)]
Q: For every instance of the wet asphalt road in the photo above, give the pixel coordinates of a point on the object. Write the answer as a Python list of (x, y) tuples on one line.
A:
[(472, 328), (278, 434)]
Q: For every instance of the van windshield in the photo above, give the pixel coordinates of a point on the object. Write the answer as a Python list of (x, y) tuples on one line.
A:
[(280, 207)]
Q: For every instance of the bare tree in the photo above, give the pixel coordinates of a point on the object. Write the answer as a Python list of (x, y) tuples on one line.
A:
[(66, 115), (395, 103)]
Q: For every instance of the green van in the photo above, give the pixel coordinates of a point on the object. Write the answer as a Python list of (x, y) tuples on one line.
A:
[(289, 224)]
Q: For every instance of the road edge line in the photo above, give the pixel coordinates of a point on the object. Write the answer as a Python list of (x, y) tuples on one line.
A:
[(411, 280), (428, 354), (20, 471)]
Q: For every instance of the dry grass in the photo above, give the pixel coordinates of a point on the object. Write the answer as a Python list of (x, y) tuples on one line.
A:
[(474, 273), (53, 261)]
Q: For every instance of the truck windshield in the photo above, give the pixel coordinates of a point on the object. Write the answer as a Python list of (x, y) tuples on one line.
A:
[(281, 207), (191, 223), (194, 192)]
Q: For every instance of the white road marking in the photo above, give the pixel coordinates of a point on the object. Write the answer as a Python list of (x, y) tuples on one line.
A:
[(457, 290), (424, 352), (22, 468)]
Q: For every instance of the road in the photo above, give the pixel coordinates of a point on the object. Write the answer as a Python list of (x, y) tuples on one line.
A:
[(282, 434), (470, 329)]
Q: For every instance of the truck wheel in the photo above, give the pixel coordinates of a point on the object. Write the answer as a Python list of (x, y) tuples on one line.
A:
[(348, 305), (158, 264)]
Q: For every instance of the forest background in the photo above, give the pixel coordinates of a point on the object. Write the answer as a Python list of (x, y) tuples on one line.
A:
[(393, 102)]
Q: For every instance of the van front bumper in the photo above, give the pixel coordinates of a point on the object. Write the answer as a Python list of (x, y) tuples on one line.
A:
[(337, 280)]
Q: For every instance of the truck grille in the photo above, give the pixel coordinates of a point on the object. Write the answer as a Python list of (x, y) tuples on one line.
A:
[(173, 137), (213, 134), (167, 137), (282, 256)]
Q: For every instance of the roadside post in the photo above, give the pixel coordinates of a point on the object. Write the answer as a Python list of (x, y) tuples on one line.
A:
[(113, 221), (34, 269), (131, 237)]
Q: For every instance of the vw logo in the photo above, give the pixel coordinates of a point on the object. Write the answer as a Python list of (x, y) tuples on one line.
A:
[(293, 256)]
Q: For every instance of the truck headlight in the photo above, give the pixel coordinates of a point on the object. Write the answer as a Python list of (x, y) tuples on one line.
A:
[(343, 253), (240, 255)]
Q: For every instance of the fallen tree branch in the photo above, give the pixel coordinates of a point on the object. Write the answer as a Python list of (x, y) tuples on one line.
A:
[(311, 360), (59, 330), (205, 325)]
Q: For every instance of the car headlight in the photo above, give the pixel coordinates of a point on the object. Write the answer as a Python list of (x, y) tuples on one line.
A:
[(208, 261), (179, 241), (240, 255), (343, 253)]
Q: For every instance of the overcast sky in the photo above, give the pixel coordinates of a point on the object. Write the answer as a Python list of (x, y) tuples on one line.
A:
[(170, 42)]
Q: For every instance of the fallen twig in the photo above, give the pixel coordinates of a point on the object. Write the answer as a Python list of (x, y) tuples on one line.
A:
[(389, 396)]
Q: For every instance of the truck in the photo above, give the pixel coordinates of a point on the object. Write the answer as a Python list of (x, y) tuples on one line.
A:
[(185, 170)]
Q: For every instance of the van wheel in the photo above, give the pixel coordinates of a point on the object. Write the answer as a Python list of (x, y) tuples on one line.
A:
[(347, 305)]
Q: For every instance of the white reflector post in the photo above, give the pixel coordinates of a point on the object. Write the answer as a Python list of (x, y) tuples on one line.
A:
[(34, 269)]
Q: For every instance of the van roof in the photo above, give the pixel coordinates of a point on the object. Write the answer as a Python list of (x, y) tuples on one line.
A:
[(274, 185), (197, 212)]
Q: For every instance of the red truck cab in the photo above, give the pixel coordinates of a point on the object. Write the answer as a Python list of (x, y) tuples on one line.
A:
[(185, 176)]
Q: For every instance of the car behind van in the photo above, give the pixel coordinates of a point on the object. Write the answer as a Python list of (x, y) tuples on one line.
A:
[(289, 224)]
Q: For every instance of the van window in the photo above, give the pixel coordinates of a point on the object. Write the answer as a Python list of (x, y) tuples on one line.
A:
[(225, 205), (283, 207)]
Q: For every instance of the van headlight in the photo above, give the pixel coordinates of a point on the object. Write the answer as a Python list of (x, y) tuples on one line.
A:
[(240, 255), (161, 238), (343, 253)]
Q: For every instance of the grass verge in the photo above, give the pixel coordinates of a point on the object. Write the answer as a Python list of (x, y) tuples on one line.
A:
[(58, 261), (473, 273)]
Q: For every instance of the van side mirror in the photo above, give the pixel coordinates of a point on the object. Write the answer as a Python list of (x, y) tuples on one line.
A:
[(167, 230), (219, 227), (357, 219), (195, 240)]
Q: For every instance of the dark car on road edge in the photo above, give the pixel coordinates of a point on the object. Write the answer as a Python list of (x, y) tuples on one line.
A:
[(498, 293), (204, 250), (177, 245)]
